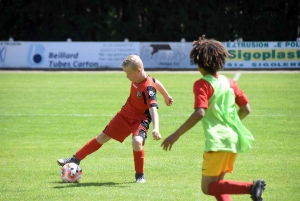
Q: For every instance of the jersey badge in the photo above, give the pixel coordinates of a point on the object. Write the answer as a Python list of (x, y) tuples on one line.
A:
[(151, 93), (138, 94)]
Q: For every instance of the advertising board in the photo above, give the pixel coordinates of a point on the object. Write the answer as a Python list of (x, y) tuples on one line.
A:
[(157, 55)]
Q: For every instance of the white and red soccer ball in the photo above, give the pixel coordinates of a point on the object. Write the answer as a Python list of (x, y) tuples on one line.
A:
[(71, 173)]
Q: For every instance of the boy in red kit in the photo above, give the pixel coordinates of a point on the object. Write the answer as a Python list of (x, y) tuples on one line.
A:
[(225, 136), (134, 117)]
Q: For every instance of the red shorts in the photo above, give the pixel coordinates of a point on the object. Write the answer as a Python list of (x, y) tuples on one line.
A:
[(120, 127)]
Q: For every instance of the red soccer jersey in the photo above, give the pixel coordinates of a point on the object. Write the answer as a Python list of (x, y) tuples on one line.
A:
[(203, 91), (142, 97)]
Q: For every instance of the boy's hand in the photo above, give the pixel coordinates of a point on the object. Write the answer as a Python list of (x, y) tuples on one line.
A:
[(169, 100), (156, 135)]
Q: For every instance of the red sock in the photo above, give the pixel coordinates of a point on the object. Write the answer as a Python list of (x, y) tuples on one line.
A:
[(229, 187), (138, 157), (223, 197), (90, 147)]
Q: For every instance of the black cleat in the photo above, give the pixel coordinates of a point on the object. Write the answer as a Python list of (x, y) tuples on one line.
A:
[(64, 161), (257, 190)]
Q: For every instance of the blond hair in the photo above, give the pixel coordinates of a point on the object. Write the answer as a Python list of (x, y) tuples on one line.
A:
[(133, 61)]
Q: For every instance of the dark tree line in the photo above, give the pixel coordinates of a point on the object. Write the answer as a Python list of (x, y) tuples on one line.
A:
[(145, 20)]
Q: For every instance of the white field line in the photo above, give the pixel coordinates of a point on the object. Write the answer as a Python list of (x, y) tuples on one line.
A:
[(61, 115), (152, 72), (237, 76), (111, 115)]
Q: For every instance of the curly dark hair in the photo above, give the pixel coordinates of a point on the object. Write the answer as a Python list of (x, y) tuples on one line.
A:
[(209, 54)]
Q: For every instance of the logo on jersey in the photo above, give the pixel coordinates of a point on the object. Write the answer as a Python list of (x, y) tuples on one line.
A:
[(151, 93), (138, 94)]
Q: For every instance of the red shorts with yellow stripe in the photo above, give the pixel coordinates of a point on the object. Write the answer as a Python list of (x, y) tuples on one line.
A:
[(120, 127), (215, 163)]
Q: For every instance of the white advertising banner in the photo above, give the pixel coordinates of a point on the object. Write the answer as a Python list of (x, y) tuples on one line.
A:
[(155, 55), (166, 55), (267, 55), (67, 55), (248, 55)]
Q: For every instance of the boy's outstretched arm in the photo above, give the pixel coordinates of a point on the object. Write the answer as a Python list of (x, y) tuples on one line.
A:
[(187, 125), (160, 87)]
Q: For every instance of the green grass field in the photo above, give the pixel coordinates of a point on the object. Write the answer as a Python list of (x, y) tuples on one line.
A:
[(49, 115)]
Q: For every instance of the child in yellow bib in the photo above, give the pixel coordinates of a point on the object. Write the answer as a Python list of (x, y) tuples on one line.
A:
[(225, 136)]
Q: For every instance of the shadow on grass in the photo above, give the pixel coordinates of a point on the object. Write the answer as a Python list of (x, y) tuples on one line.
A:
[(99, 184)]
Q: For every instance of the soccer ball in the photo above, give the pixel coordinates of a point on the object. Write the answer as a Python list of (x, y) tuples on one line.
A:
[(71, 173)]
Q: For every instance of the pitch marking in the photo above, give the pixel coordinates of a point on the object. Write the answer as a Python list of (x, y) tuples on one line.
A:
[(237, 76)]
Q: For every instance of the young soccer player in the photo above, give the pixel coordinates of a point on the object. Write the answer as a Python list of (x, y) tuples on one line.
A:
[(215, 97), (134, 117)]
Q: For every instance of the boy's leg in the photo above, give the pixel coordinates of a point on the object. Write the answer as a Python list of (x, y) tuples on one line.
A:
[(229, 187), (206, 180), (139, 166), (139, 155), (215, 186), (216, 162), (89, 148), (92, 146), (255, 189), (116, 129), (223, 197)]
